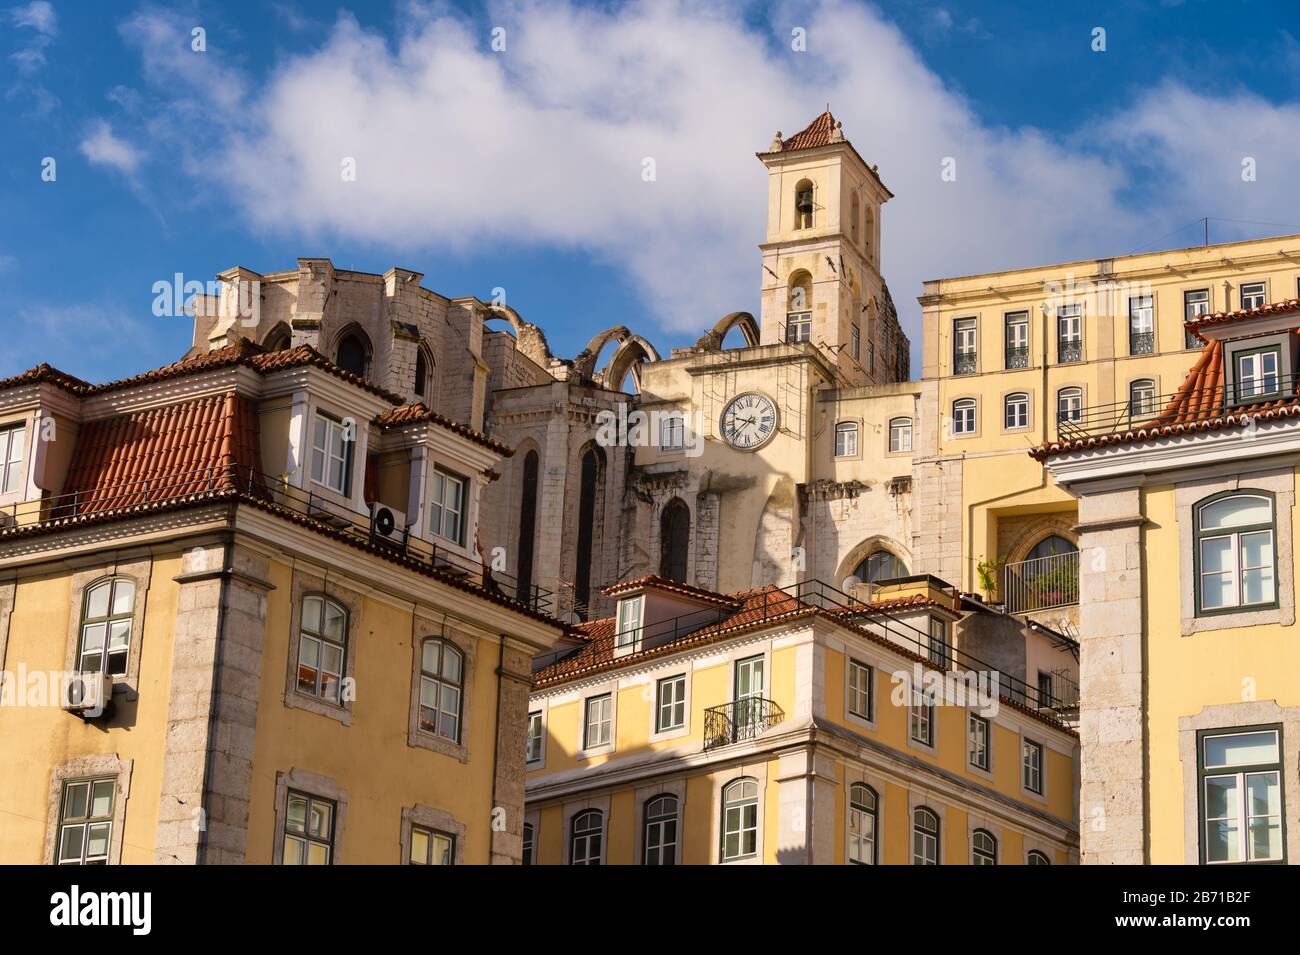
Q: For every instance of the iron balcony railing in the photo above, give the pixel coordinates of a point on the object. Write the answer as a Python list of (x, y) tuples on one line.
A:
[(781, 602), (1200, 404), (1041, 583), (1069, 350), (1141, 343), (746, 718), (1061, 688), (1017, 356), (964, 363), (234, 480)]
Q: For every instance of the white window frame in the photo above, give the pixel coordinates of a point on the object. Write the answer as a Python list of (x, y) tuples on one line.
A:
[(440, 482), (863, 838), (330, 445), (13, 444), (920, 719), (1243, 817), (900, 429), (605, 719), (629, 632), (861, 691), (1069, 404), (1015, 415), (672, 432), (1235, 563), (676, 700), (977, 747), (535, 738), (798, 327), (927, 840), (83, 824), (1032, 776), (846, 439), (1257, 290), (964, 416)]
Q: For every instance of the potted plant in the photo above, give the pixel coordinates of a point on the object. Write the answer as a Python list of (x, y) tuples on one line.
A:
[(990, 573)]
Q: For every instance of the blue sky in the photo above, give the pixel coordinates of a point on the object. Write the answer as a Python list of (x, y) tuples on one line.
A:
[(520, 168)]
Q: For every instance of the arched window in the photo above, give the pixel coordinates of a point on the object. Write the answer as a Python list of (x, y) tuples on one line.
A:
[(855, 212), (900, 435), (353, 352), (1051, 546), (983, 848), (322, 648), (674, 540), (1236, 557), (1038, 858), (1069, 404), (963, 416), (1017, 411), (106, 614), (660, 838), (740, 819), (592, 469), (528, 844), (442, 676), (880, 565), (846, 439), (1142, 397), (804, 215), (925, 837), (424, 375), (278, 338), (869, 231), (862, 824), (798, 310), (527, 527), (585, 836)]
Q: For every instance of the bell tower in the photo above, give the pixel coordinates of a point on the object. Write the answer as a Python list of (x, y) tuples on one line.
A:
[(821, 254)]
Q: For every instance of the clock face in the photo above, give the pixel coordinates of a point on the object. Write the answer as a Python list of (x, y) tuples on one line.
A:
[(749, 421)]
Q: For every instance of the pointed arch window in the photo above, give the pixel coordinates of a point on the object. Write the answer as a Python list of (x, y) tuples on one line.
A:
[(424, 375), (880, 565), (353, 352), (674, 540), (589, 489), (527, 527)]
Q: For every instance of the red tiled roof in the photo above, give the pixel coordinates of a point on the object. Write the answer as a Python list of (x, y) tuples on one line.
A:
[(1242, 314), (419, 412), (817, 133), (242, 352), (163, 453), (1191, 409), (656, 582)]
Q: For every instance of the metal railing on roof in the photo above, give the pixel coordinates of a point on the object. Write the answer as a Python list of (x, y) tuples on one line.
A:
[(779, 602), (327, 511), (1197, 404)]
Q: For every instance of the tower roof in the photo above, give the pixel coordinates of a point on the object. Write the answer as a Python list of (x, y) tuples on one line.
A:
[(822, 131)]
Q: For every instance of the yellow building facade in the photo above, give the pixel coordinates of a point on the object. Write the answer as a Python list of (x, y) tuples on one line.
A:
[(777, 726), (1189, 715)]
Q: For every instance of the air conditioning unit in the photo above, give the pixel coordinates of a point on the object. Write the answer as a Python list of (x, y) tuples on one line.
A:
[(89, 695), (387, 524)]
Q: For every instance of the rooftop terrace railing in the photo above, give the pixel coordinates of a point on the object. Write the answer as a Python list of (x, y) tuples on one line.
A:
[(325, 510), (780, 602), (1198, 404)]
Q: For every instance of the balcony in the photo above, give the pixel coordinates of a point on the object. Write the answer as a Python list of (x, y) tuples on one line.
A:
[(964, 363), (1142, 343), (1186, 407), (742, 719), (235, 482), (1069, 350), (1017, 356), (1041, 583)]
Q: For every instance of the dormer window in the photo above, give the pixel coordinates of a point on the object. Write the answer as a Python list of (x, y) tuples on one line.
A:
[(11, 459), (630, 615), (447, 506), (331, 461), (1257, 373)]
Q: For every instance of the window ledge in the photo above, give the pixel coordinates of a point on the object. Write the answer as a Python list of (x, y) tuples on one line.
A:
[(440, 744), (301, 701)]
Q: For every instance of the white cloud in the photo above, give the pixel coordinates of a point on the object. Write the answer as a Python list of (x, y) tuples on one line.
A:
[(459, 146), (38, 15), (102, 147)]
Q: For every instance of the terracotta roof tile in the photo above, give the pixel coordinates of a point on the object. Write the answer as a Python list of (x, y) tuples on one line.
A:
[(1242, 314), (163, 453), (657, 582), (1191, 409), (419, 412), (817, 133)]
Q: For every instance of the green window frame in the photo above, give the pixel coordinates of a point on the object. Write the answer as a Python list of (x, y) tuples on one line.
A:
[(308, 829), (670, 703), (1240, 563), (740, 819), (1236, 784), (1271, 381)]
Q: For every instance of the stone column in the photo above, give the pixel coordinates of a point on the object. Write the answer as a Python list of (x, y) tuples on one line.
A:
[(514, 672), (212, 711), (1112, 727)]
